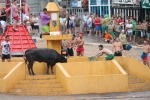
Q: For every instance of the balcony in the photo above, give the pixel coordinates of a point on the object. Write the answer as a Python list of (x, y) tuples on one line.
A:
[(126, 3)]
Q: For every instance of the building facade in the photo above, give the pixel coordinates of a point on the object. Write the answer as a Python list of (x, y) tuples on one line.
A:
[(101, 7)]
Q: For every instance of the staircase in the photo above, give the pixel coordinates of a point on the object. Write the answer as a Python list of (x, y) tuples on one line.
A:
[(39, 85), (137, 84)]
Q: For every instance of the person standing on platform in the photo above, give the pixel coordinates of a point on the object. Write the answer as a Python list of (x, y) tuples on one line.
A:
[(15, 15), (5, 49), (25, 10), (45, 20), (36, 25)]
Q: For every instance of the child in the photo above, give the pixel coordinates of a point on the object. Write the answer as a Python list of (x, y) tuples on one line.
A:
[(107, 37)]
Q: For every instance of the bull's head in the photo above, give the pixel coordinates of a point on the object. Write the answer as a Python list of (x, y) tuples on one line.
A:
[(63, 59)]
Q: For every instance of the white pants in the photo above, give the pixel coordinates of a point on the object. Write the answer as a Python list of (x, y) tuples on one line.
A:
[(24, 17), (3, 23)]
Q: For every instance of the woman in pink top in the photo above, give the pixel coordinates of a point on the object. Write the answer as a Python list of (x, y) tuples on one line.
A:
[(26, 10), (15, 14)]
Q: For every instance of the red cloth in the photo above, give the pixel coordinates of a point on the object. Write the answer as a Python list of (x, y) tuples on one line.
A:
[(97, 21), (120, 21), (79, 50), (8, 12), (146, 58), (16, 18)]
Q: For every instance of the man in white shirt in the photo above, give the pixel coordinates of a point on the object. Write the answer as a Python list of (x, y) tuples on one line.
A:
[(129, 30), (5, 49), (84, 23), (36, 24), (89, 24)]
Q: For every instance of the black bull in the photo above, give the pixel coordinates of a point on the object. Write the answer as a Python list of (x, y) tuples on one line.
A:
[(49, 56)]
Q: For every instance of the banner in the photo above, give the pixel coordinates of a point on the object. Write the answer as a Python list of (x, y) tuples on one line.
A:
[(145, 3)]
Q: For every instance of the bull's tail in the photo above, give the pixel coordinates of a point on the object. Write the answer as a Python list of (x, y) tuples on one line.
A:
[(25, 60)]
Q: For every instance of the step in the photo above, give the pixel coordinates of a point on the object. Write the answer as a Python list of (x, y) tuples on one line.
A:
[(46, 85), (137, 85), (131, 76), (40, 94), (38, 81), (40, 77), (38, 90), (136, 90), (136, 80)]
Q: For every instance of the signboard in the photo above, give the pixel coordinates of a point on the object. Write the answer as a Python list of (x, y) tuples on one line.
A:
[(145, 3), (76, 4)]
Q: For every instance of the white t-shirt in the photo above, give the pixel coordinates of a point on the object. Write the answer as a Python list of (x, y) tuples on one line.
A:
[(129, 26), (89, 22), (5, 47), (36, 19), (85, 18)]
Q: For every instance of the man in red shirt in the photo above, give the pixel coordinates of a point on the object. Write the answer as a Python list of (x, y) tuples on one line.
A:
[(97, 25)]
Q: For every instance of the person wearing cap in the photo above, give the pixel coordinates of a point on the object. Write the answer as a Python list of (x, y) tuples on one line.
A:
[(79, 45), (45, 20), (105, 51), (117, 47), (123, 40), (71, 46)]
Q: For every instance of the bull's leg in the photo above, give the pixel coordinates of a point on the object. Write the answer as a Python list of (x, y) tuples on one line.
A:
[(47, 72), (31, 67), (52, 65)]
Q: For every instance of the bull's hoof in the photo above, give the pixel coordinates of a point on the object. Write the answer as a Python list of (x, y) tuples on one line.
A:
[(33, 74), (47, 73), (53, 73)]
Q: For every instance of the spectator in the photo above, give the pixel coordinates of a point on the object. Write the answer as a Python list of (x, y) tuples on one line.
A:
[(123, 40), (36, 24), (107, 37), (97, 24), (84, 21), (77, 21), (89, 24), (25, 10), (5, 49), (45, 20), (15, 14), (129, 30)]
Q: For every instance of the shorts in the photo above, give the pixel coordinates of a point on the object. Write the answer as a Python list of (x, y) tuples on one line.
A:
[(93, 26), (124, 47), (117, 34), (139, 33), (145, 56), (70, 52), (46, 28), (5, 56), (133, 32), (130, 33), (98, 28), (80, 50), (77, 25), (112, 34), (105, 28), (110, 57), (62, 20), (148, 35), (143, 34), (32, 26), (16, 18), (24, 17), (118, 54), (36, 27)]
